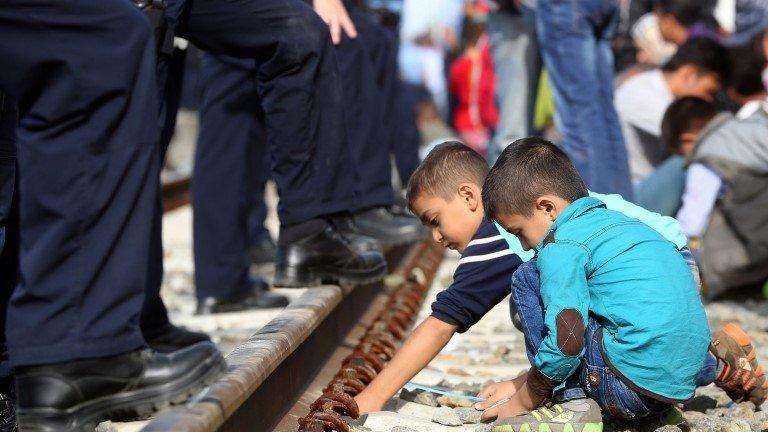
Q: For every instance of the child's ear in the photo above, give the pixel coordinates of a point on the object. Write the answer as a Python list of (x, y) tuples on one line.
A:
[(547, 205), (470, 194)]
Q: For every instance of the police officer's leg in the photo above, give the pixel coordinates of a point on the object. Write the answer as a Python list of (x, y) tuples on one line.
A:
[(9, 248), (262, 246), (301, 96), (83, 78), (160, 334), (367, 88), (223, 186)]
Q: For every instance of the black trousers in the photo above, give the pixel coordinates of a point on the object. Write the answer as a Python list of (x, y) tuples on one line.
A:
[(83, 75), (9, 221), (230, 173), (232, 141)]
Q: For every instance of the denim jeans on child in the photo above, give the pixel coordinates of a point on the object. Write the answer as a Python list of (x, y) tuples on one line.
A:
[(575, 39), (593, 379)]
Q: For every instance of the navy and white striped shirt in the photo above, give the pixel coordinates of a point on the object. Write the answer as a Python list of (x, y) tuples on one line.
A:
[(482, 279)]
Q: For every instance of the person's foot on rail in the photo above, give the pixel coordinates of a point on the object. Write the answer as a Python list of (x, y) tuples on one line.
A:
[(258, 297), (389, 228), (7, 406), (77, 395), (263, 251), (170, 338), (317, 252), (360, 242)]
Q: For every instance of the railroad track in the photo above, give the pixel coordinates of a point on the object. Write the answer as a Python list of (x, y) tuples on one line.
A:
[(301, 370)]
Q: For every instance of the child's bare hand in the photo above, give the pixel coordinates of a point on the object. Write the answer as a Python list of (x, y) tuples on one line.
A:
[(510, 408), (497, 391)]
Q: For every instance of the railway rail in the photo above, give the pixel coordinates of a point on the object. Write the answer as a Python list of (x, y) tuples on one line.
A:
[(300, 371)]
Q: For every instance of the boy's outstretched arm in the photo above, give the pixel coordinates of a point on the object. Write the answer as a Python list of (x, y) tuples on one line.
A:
[(417, 351)]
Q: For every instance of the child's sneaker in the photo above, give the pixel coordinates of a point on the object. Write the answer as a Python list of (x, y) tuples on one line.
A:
[(579, 415), (742, 377)]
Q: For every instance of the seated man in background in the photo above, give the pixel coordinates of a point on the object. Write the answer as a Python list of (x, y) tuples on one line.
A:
[(726, 195), (662, 191), (698, 68)]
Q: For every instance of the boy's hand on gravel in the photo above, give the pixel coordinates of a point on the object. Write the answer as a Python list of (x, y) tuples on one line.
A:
[(498, 391), (335, 15)]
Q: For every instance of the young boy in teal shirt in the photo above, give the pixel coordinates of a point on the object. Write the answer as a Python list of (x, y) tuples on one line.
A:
[(608, 306)]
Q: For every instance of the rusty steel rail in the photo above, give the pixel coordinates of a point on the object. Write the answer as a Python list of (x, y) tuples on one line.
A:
[(376, 347), (175, 193), (274, 377)]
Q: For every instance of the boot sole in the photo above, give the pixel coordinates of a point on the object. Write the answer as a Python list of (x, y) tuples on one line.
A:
[(134, 405), (295, 277)]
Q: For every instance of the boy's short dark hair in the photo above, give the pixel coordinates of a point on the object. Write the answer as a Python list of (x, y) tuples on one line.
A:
[(704, 53), (688, 12), (445, 167), (527, 169), (687, 114), (747, 64)]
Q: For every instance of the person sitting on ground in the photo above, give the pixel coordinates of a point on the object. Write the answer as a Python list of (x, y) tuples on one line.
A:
[(445, 193), (726, 194), (698, 68), (680, 20), (609, 308), (662, 191)]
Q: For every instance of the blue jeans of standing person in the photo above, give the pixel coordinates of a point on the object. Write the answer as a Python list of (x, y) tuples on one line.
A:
[(575, 39), (594, 378), (516, 60)]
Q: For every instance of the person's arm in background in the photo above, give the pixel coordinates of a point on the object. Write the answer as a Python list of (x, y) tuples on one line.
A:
[(335, 15), (702, 187), (419, 349)]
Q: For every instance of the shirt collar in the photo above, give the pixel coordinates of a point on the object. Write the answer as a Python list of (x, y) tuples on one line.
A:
[(574, 210)]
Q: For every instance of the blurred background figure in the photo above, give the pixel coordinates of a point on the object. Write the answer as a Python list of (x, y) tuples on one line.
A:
[(472, 83)]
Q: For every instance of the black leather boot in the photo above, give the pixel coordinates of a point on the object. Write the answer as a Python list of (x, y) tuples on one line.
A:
[(360, 243), (7, 408), (259, 297), (388, 228), (77, 395), (170, 338), (327, 256), (264, 251)]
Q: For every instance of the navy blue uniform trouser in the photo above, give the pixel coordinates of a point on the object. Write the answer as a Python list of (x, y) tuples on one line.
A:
[(299, 88), (300, 93), (9, 228), (82, 73), (228, 167), (230, 171)]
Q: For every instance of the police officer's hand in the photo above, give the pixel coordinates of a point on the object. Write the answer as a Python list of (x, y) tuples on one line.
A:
[(335, 15)]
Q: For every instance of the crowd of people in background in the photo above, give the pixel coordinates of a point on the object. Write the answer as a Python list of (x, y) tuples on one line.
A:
[(638, 93)]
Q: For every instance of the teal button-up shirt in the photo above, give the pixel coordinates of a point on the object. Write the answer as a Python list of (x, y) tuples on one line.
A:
[(636, 284)]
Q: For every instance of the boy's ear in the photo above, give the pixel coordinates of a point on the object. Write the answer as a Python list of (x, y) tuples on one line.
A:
[(548, 206), (470, 194)]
